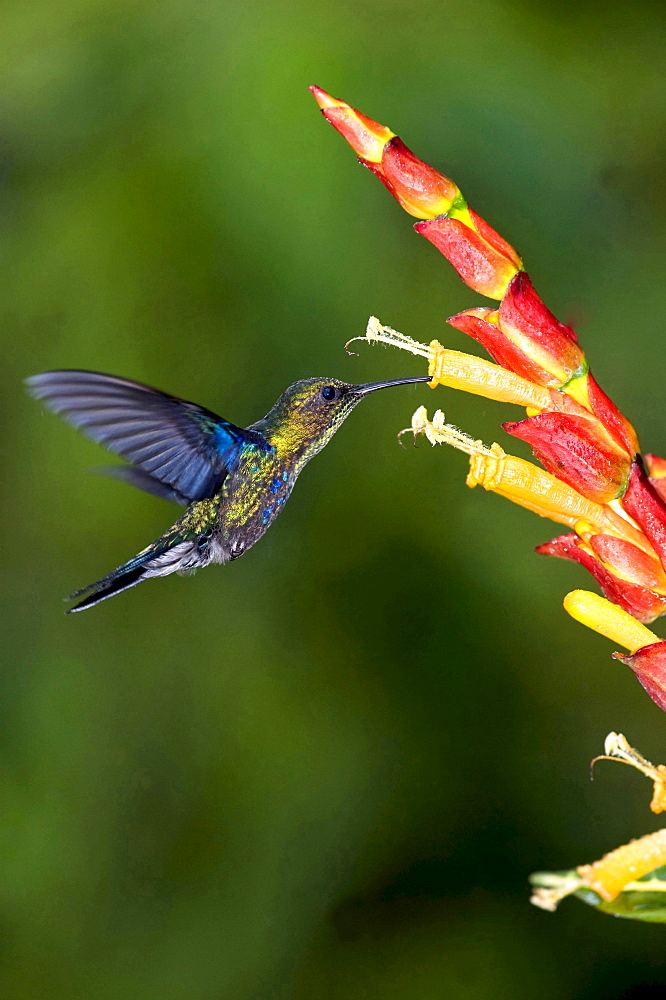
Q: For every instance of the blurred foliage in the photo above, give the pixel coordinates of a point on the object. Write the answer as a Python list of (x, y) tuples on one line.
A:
[(326, 770)]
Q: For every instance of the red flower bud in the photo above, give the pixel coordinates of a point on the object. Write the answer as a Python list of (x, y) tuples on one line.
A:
[(485, 265), (638, 600), (649, 665), (578, 451)]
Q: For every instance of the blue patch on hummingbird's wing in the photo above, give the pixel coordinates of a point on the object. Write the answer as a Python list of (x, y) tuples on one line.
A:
[(186, 447)]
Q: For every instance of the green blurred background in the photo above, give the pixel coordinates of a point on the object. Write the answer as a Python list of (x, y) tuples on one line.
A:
[(327, 770)]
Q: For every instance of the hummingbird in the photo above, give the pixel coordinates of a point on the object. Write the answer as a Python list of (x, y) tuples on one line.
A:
[(233, 481)]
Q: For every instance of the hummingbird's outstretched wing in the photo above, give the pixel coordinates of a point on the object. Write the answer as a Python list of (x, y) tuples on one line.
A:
[(142, 481), (179, 444)]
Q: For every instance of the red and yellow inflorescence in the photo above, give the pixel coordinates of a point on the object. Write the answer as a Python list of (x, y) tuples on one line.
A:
[(596, 482)]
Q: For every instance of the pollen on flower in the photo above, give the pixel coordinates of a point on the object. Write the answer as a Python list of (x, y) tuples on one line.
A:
[(376, 332), (457, 370), (437, 431), (526, 484)]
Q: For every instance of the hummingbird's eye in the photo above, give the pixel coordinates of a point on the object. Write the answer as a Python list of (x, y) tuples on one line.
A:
[(329, 393)]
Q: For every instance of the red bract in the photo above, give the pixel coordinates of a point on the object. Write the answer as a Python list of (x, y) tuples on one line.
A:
[(480, 255), (656, 468), (595, 481), (615, 422), (628, 561), (649, 665), (524, 319), (493, 238), (578, 451), (480, 263), (421, 190), (644, 504), (481, 324), (640, 601), (524, 336), (366, 137)]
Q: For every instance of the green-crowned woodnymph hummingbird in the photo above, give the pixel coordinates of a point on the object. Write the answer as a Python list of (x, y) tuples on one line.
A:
[(233, 481)]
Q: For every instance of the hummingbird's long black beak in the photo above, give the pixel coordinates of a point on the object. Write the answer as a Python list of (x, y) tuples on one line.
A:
[(363, 390)]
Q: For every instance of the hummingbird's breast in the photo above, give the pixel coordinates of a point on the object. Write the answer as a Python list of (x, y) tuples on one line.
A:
[(251, 498)]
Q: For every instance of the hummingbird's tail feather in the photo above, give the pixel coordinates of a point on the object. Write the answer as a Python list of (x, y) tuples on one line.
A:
[(108, 587), (159, 559)]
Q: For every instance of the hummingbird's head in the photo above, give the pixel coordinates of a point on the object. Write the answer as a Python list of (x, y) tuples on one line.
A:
[(308, 413)]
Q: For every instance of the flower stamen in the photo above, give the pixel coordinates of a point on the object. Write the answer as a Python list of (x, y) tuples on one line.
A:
[(617, 747)]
